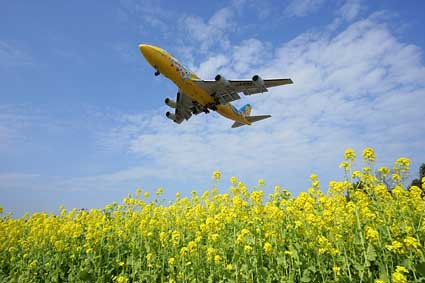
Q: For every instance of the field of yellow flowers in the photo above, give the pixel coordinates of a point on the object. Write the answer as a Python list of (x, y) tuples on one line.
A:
[(367, 228)]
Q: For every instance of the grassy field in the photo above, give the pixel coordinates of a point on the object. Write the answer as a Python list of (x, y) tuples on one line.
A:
[(367, 228)]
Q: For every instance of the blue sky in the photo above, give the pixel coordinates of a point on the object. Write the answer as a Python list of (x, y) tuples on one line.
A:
[(82, 117)]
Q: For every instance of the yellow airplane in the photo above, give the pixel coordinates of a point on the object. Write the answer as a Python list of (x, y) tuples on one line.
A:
[(196, 96)]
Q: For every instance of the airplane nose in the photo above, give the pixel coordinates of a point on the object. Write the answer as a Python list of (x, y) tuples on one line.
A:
[(144, 49), (150, 53)]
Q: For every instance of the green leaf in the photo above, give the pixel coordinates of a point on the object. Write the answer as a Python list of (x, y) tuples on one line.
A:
[(358, 266), (280, 261), (306, 276), (85, 275), (371, 253), (420, 268)]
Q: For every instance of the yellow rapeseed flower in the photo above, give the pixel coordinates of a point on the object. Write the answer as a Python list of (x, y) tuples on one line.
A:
[(403, 163), (287, 252), (371, 234), (192, 246), (384, 171), (216, 175), (247, 249), (210, 252), (184, 250), (411, 242), (268, 248), (401, 269), (261, 182), (171, 261), (33, 264), (395, 177), (159, 191), (344, 164), (120, 279), (349, 154), (398, 277), (357, 174), (369, 154), (336, 270), (395, 247), (234, 181)]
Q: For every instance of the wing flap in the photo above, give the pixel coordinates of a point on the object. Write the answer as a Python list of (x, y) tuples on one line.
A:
[(228, 93), (227, 97)]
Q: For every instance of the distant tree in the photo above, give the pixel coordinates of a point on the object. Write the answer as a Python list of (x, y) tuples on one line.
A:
[(418, 182)]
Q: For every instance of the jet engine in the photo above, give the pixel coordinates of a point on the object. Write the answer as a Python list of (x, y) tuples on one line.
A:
[(170, 116), (220, 79), (258, 80), (170, 102)]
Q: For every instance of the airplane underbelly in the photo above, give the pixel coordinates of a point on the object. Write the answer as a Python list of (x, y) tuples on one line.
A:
[(202, 97), (195, 92)]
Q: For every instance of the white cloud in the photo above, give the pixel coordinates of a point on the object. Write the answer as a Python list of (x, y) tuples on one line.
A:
[(350, 9), (152, 14), (213, 31), (360, 88), (240, 60), (208, 68), (300, 8)]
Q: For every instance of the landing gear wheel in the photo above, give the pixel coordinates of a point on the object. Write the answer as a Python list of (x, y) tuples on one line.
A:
[(211, 106), (157, 73)]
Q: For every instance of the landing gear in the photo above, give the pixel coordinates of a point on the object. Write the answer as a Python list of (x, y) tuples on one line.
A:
[(211, 106), (157, 73)]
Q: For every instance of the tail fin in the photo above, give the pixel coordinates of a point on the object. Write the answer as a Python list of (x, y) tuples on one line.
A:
[(246, 109), (251, 119)]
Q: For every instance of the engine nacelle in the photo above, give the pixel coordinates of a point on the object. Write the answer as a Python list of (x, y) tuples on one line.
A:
[(170, 116), (170, 102), (220, 79), (258, 80)]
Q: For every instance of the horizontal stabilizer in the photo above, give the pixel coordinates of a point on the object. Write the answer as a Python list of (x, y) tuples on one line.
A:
[(251, 119), (237, 124)]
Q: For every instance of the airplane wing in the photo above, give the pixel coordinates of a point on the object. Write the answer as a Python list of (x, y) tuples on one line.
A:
[(184, 108), (228, 90)]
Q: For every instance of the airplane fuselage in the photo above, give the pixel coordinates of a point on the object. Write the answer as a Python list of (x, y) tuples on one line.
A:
[(182, 77)]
